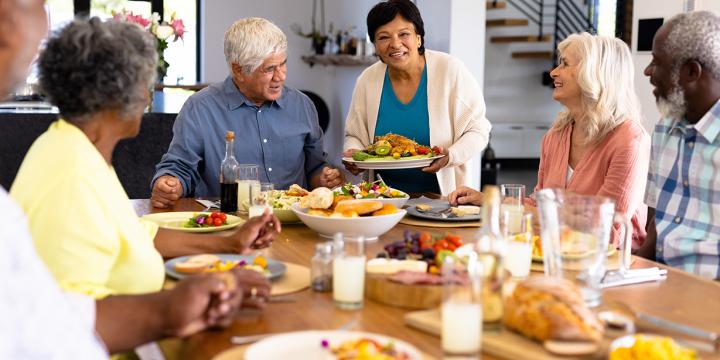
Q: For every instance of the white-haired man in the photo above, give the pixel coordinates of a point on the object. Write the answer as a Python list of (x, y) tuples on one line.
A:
[(276, 127), (683, 189)]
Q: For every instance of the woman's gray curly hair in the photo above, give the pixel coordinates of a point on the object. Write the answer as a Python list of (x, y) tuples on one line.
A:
[(90, 65)]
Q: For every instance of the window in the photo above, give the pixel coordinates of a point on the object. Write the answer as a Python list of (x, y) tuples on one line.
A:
[(181, 54)]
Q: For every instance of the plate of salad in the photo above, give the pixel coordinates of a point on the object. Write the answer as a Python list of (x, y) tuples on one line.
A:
[(376, 190), (393, 151), (194, 221)]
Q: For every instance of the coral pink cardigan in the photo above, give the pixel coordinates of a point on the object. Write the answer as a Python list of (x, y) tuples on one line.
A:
[(617, 168)]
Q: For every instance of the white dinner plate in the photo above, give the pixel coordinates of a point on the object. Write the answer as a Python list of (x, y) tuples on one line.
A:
[(308, 345), (275, 267), (175, 221), (391, 163)]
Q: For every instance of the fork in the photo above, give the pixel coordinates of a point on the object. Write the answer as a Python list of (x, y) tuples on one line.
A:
[(242, 340)]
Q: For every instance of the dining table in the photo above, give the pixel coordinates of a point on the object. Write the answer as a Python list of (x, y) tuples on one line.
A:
[(683, 298)]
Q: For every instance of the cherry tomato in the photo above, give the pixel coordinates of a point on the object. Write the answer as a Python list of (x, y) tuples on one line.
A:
[(424, 237), (213, 215), (217, 222), (223, 216), (454, 239)]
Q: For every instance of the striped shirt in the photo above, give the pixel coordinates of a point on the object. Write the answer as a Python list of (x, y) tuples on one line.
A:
[(684, 188)]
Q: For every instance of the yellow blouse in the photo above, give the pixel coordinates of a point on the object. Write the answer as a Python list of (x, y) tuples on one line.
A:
[(81, 220)]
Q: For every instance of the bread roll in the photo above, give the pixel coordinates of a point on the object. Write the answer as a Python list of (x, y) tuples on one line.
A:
[(546, 308), (197, 263), (320, 198), (296, 190), (359, 206)]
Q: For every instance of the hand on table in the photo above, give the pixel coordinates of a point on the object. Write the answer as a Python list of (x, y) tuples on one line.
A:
[(255, 287), (200, 302), (440, 163), (465, 196), (166, 191), (257, 232), (331, 178), (352, 168)]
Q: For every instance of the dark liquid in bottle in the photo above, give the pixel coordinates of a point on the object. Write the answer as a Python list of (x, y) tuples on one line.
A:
[(228, 197)]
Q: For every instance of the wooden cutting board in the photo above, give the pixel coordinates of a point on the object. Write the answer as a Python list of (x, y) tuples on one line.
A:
[(505, 345), (382, 290)]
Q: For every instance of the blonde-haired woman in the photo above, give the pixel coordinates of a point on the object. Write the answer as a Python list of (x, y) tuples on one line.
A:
[(596, 145)]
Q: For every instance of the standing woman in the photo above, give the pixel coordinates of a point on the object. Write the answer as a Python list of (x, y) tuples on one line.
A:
[(425, 95)]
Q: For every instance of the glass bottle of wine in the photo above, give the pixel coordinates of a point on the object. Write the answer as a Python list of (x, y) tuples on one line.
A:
[(228, 176)]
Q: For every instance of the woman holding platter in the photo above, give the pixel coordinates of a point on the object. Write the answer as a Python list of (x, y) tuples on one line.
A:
[(424, 95)]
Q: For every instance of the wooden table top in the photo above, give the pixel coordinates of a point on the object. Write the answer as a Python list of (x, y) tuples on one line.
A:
[(683, 297)]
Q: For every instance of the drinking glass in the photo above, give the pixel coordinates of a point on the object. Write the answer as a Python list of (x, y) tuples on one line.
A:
[(519, 245), (512, 201), (461, 309), (348, 271), (260, 199), (248, 177)]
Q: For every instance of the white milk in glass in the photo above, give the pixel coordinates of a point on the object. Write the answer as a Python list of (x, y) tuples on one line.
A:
[(244, 192), (461, 327), (349, 280), (514, 219), (518, 258)]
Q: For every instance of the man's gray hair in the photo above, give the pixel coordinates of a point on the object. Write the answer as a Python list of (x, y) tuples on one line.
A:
[(249, 41), (695, 36)]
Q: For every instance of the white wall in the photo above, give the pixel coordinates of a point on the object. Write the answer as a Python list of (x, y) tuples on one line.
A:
[(335, 84)]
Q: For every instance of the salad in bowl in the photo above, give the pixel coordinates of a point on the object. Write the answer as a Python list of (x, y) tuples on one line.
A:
[(376, 190)]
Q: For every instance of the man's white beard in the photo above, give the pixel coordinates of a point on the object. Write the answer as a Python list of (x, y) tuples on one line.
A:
[(674, 106)]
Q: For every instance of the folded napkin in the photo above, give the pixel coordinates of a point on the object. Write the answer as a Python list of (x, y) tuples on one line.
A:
[(208, 204), (632, 276)]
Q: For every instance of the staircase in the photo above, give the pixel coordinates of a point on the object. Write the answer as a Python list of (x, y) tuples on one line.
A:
[(543, 22)]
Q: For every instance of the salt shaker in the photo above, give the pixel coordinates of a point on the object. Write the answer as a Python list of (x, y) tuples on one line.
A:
[(322, 267)]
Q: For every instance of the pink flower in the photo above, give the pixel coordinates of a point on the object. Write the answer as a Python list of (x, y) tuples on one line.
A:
[(178, 28), (138, 19)]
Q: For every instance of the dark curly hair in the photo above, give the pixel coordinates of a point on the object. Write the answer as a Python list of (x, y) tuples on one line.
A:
[(91, 65), (384, 12)]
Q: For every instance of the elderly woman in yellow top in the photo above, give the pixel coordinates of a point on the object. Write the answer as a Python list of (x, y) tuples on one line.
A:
[(422, 94), (99, 75)]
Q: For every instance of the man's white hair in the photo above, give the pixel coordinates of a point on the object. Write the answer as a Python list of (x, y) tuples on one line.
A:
[(249, 41), (605, 75), (695, 36)]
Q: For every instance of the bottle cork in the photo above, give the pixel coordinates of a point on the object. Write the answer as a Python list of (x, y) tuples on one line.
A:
[(230, 135)]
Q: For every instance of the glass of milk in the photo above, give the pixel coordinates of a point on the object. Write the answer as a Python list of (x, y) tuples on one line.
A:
[(461, 309), (260, 199), (512, 201), (348, 271), (248, 177), (519, 245)]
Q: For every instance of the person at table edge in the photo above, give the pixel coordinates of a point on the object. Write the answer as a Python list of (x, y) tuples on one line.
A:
[(683, 187), (42, 322), (426, 95), (276, 127)]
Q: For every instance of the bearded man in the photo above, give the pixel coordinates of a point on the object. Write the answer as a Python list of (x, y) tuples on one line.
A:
[(683, 189)]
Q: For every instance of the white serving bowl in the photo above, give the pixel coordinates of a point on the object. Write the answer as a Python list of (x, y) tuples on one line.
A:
[(369, 227)]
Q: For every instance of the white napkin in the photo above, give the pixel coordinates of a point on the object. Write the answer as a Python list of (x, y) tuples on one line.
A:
[(633, 276), (208, 204)]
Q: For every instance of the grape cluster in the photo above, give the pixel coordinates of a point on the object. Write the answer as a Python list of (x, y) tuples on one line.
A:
[(408, 248)]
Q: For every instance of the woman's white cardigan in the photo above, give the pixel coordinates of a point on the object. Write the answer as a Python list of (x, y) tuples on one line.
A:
[(455, 107)]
